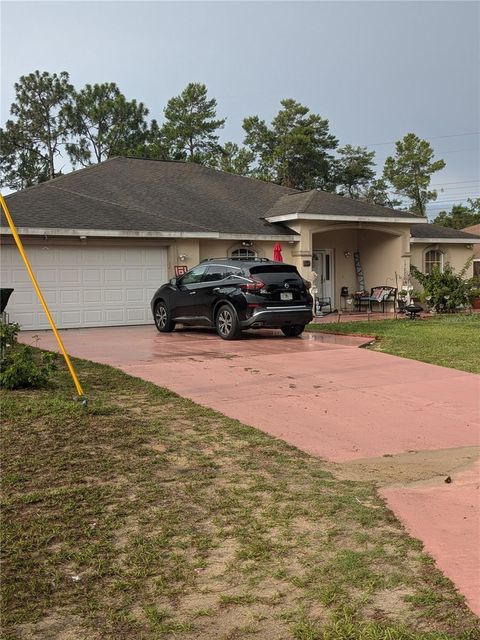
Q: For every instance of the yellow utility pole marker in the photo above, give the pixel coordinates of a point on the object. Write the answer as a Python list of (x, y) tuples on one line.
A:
[(19, 244)]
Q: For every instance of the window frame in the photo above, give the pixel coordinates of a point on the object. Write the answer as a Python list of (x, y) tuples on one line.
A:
[(249, 252), (429, 264)]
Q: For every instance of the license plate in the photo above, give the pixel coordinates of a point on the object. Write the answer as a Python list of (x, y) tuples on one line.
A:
[(284, 295)]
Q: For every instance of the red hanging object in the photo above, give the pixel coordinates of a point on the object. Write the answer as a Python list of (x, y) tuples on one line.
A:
[(277, 252)]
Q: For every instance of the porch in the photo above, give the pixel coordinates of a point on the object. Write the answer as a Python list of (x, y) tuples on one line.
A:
[(353, 258)]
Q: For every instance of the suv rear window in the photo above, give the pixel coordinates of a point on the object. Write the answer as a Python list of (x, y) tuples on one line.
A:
[(272, 273)]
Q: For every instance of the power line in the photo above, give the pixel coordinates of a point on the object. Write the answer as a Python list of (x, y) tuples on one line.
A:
[(436, 184), (451, 135)]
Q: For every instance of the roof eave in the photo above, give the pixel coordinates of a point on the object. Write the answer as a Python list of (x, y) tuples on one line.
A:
[(114, 233), (341, 218), (445, 240)]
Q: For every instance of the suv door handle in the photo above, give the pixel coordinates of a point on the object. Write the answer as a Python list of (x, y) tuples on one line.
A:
[(192, 293)]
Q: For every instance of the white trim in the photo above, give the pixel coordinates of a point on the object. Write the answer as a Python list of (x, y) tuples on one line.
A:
[(445, 240), (322, 216), (111, 233)]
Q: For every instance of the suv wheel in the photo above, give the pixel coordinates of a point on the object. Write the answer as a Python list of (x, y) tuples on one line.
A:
[(162, 318), (227, 324), (293, 330)]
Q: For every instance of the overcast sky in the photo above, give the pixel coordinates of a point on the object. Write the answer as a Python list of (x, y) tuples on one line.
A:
[(376, 70)]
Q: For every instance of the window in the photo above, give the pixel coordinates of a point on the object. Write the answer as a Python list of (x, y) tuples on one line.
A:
[(476, 269), (217, 272), (194, 275), (433, 258), (244, 252)]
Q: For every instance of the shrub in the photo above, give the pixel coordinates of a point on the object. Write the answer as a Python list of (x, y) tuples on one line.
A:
[(446, 290), (19, 366)]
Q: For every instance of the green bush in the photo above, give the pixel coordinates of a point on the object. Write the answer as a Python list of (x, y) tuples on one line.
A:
[(20, 368), (446, 290)]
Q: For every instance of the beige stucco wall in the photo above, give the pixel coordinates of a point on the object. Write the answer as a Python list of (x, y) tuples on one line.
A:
[(455, 254)]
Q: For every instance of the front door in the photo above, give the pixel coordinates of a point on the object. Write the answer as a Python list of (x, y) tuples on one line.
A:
[(323, 266)]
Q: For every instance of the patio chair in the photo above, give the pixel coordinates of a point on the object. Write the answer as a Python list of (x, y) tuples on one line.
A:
[(320, 303)]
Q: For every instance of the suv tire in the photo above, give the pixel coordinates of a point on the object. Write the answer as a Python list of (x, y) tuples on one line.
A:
[(293, 330), (227, 323), (162, 318)]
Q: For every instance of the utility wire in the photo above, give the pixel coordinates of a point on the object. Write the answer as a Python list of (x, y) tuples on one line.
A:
[(451, 135)]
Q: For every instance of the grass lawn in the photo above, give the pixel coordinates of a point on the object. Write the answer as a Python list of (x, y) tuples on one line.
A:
[(450, 341), (146, 516)]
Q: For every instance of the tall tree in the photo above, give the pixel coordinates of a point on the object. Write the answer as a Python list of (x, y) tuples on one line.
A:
[(355, 170), (20, 165), (233, 159), (104, 124), (293, 151), (410, 171), (153, 147), (460, 216), (32, 142), (377, 192), (191, 124)]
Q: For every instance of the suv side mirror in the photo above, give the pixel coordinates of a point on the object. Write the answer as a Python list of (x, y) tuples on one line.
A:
[(173, 282)]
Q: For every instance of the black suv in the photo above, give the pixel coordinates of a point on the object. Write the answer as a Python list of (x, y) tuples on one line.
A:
[(232, 295)]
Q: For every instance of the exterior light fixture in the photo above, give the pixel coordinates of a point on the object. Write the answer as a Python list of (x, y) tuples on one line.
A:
[(347, 254), (183, 257)]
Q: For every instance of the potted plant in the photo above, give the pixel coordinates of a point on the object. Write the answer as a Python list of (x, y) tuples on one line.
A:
[(475, 298), (402, 297)]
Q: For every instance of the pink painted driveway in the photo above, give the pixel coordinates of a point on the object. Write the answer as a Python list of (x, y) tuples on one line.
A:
[(329, 398)]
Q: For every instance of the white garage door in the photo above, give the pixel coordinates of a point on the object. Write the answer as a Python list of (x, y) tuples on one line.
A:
[(84, 286)]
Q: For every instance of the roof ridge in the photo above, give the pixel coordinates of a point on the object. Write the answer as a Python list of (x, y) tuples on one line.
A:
[(308, 200)]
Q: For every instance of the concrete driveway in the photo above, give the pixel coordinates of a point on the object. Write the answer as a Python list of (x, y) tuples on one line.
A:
[(406, 424)]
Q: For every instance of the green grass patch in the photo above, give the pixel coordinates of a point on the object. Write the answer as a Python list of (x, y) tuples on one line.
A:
[(448, 340), (146, 516)]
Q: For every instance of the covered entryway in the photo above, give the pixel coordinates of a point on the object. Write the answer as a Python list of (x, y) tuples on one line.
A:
[(383, 254), (84, 286)]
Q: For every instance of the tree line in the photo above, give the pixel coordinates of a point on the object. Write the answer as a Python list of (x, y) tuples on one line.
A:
[(51, 118)]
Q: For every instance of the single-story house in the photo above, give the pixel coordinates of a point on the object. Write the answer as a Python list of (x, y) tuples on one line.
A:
[(102, 239), (475, 229)]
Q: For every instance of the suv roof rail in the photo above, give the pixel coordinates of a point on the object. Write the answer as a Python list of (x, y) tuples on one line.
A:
[(238, 259)]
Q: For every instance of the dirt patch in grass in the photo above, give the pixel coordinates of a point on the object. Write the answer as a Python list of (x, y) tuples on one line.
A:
[(146, 516), (406, 468)]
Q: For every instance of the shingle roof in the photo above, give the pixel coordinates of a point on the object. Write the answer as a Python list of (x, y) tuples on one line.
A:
[(148, 195), (324, 203), (437, 231)]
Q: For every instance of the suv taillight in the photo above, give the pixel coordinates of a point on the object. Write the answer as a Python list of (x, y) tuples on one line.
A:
[(254, 285)]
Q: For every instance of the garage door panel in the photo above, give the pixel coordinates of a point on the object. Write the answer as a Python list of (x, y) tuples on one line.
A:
[(70, 318), (113, 316), (114, 296), (136, 315), (114, 256), (84, 286), (18, 276), (70, 296), (133, 275), (92, 296), (93, 318), (70, 276), (113, 275), (135, 295)]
